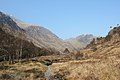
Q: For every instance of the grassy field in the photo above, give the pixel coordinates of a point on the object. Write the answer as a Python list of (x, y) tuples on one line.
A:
[(22, 71), (92, 69)]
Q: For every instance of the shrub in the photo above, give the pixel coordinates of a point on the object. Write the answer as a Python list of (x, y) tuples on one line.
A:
[(108, 37)]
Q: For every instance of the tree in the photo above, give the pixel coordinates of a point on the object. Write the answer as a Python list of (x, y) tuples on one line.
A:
[(21, 42), (117, 25), (66, 50), (78, 55)]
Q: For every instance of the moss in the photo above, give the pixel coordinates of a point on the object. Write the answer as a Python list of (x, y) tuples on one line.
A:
[(5, 76), (94, 49), (4, 67), (47, 62)]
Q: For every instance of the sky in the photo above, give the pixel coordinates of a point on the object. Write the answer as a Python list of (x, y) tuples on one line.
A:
[(66, 18)]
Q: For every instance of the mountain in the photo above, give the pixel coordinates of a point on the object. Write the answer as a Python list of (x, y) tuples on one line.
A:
[(100, 60), (104, 47), (5, 19), (42, 37), (12, 43), (81, 41), (38, 35)]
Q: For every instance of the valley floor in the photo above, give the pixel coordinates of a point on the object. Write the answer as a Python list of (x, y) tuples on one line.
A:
[(88, 69)]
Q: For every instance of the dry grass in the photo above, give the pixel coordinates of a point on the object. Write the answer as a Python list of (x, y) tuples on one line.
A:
[(102, 64), (107, 69), (24, 71)]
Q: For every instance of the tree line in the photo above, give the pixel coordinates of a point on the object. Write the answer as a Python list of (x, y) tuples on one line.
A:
[(13, 48)]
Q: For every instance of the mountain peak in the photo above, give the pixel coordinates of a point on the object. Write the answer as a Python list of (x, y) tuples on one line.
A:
[(81, 41), (7, 20), (115, 30), (38, 35)]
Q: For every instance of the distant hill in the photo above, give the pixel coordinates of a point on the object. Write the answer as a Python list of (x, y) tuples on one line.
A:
[(13, 44), (43, 37), (100, 60), (39, 36), (108, 46), (81, 41)]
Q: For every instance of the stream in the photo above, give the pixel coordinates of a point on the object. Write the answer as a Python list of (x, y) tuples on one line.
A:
[(49, 74)]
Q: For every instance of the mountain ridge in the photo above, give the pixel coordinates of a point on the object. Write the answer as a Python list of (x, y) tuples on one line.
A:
[(38, 35), (81, 41), (44, 38)]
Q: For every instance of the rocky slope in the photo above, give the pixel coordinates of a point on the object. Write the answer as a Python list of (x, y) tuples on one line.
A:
[(106, 46), (38, 35), (13, 42), (42, 37), (81, 41)]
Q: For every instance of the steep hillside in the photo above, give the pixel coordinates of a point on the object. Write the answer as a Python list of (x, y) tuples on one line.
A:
[(12, 47), (42, 37), (5, 19), (14, 44), (106, 46), (100, 60), (81, 41)]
